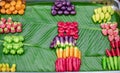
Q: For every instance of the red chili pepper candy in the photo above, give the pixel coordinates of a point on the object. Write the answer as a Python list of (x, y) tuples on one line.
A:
[(108, 52), (67, 64), (70, 69), (74, 64), (64, 65), (57, 65), (112, 44), (117, 51), (78, 64), (113, 52)]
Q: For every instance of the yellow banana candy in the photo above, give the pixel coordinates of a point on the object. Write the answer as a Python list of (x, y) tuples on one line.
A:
[(95, 11), (102, 16), (107, 15), (104, 9), (94, 19), (99, 10), (97, 16)]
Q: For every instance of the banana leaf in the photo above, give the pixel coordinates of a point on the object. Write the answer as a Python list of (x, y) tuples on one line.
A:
[(40, 27)]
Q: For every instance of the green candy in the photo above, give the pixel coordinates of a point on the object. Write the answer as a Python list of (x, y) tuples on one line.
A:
[(111, 63), (9, 46), (115, 62), (15, 39), (119, 62), (5, 44), (20, 51), (8, 39), (5, 51), (108, 63), (20, 44), (16, 46), (104, 62), (21, 38), (12, 52)]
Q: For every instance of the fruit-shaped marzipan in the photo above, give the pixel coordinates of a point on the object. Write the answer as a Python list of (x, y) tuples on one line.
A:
[(99, 10), (97, 16), (102, 16), (110, 10), (95, 11), (107, 15), (94, 19), (104, 9)]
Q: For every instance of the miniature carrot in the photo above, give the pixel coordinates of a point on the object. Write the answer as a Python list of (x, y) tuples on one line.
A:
[(64, 53), (71, 51), (58, 53), (61, 52), (67, 51), (79, 54), (75, 52)]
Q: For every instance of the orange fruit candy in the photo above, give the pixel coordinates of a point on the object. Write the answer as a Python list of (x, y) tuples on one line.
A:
[(21, 11), (2, 11)]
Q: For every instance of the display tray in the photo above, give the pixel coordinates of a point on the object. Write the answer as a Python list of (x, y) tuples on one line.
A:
[(40, 27)]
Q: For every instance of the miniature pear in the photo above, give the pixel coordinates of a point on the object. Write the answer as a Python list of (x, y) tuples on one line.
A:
[(97, 16), (94, 19), (99, 10), (104, 9)]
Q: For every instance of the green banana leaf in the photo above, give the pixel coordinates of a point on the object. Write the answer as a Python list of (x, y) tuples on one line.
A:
[(40, 27)]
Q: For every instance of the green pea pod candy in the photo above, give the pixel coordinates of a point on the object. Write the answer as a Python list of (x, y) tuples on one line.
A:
[(104, 62), (119, 62), (111, 63), (115, 62), (108, 63)]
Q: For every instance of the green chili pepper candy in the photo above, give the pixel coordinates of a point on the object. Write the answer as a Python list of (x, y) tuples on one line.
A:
[(12, 51), (9, 46), (20, 51), (104, 61), (115, 62), (5, 51), (111, 63), (119, 62), (21, 38), (16, 39), (16, 46), (108, 63), (8, 39)]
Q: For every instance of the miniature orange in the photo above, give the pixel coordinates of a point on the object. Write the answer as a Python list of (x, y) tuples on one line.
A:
[(8, 11), (2, 3), (2, 11), (21, 11), (7, 5), (15, 12), (18, 7), (23, 6), (12, 8), (13, 3)]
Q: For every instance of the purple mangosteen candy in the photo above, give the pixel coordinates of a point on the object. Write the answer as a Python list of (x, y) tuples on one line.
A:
[(73, 12), (66, 12), (60, 12), (54, 12)]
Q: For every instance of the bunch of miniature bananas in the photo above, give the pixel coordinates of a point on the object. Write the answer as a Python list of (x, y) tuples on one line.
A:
[(6, 68), (103, 14)]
